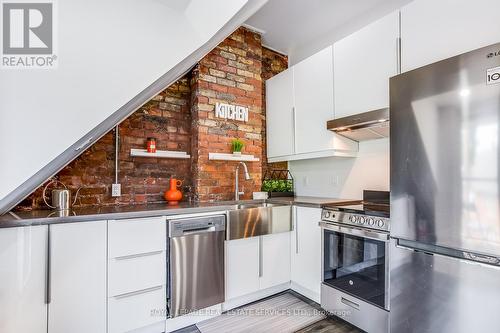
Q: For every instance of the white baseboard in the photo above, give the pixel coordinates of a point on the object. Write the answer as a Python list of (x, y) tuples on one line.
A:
[(315, 296)]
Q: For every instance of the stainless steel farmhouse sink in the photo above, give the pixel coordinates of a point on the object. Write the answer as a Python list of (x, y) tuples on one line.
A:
[(258, 219)]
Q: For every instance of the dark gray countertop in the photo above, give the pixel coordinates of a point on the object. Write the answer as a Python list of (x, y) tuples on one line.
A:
[(95, 213)]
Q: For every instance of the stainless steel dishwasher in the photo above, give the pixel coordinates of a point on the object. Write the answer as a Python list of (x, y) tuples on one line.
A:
[(196, 262)]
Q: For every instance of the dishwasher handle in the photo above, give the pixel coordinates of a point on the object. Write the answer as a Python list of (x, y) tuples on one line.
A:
[(194, 225), (198, 231)]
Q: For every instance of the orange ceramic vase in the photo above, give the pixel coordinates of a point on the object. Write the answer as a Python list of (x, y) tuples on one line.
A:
[(173, 195)]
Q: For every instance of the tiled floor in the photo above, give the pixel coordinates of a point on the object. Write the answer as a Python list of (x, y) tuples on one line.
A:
[(330, 324)]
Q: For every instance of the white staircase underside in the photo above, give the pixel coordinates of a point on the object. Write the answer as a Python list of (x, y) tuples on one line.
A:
[(109, 51)]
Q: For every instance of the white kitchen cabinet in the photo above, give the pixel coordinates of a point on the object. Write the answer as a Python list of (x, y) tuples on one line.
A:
[(313, 95), (133, 273), (299, 102), (136, 236), (77, 277), (257, 263), (136, 274), (242, 267), (23, 279), (363, 64), (279, 115), (433, 30), (137, 311), (275, 259), (306, 252)]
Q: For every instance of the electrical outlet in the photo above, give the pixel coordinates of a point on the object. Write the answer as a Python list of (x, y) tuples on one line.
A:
[(116, 190)]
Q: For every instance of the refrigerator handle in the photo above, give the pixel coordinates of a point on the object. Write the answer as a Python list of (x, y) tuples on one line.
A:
[(447, 252), (482, 258)]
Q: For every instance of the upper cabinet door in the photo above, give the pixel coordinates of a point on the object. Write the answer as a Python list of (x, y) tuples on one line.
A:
[(433, 30), (363, 64), (313, 93), (279, 114)]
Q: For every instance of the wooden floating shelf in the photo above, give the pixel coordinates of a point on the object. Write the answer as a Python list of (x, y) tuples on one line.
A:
[(231, 157), (159, 153)]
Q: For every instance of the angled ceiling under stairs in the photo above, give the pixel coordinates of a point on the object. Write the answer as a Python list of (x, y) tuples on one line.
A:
[(113, 57)]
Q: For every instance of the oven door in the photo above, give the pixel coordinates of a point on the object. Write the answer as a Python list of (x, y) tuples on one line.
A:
[(355, 261)]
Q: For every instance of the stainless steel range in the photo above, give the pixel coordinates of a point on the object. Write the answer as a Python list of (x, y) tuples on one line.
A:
[(355, 261)]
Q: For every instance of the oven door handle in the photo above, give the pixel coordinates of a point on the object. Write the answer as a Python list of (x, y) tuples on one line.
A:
[(380, 236)]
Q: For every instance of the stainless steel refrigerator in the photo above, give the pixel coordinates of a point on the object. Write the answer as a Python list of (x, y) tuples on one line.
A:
[(445, 192)]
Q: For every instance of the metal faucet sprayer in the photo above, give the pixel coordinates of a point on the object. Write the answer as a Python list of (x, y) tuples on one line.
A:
[(237, 193)]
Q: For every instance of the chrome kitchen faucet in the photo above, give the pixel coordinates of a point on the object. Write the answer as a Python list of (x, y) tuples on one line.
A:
[(236, 185)]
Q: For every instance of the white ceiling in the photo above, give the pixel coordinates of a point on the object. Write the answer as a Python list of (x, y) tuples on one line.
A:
[(289, 24)]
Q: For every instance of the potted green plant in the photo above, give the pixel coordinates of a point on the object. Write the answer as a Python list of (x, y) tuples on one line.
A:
[(278, 183), (236, 146)]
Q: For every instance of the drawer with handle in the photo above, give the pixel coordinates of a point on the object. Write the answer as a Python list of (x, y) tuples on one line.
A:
[(366, 316), (136, 272), (133, 310), (136, 236)]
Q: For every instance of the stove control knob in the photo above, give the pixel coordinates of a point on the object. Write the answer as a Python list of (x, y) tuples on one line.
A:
[(353, 218), (380, 223), (370, 221), (361, 220), (327, 214)]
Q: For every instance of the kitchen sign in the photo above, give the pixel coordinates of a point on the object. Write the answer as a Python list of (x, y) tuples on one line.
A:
[(232, 112)]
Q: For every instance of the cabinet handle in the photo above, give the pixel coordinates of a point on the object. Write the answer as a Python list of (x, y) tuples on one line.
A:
[(48, 281), (260, 257), (132, 256), (398, 55), (294, 120), (296, 230), (138, 292)]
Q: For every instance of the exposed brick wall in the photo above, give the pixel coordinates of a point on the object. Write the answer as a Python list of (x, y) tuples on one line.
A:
[(182, 118), (231, 73), (166, 117)]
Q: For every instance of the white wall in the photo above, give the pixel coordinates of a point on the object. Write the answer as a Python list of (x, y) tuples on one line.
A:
[(109, 51), (346, 178), (323, 40)]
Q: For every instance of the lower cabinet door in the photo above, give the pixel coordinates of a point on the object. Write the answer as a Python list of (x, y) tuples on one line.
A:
[(77, 277), (275, 259), (306, 252), (242, 267), (23, 260), (134, 310)]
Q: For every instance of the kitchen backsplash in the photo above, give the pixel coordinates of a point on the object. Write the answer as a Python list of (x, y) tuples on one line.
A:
[(181, 117), (340, 177)]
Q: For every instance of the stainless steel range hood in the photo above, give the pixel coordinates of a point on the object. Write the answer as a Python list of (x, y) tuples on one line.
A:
[(363, 126)]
